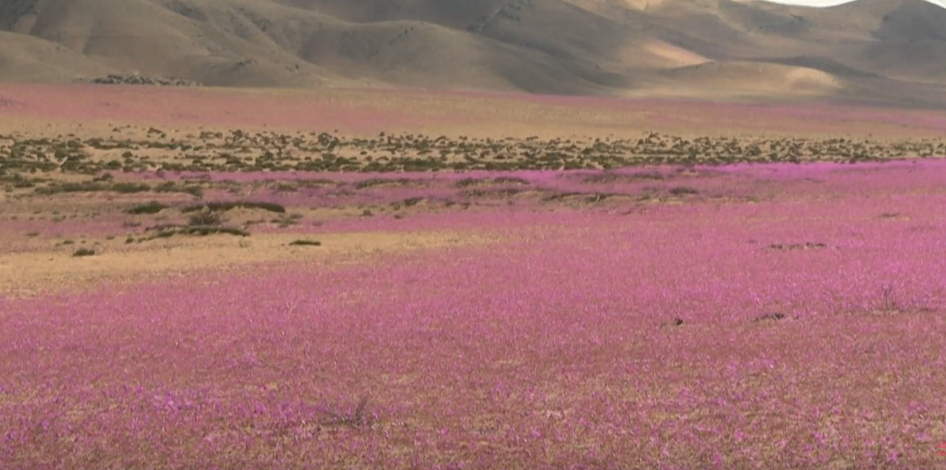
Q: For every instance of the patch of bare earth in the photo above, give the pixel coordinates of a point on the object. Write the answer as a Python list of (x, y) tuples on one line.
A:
[(43, 108), (50, 270)]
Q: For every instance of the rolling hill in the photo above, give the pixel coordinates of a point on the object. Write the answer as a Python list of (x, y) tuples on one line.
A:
[(889, 51)]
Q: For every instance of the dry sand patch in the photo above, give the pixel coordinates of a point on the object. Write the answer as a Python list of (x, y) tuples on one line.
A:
[(37, 272), (93, 111)]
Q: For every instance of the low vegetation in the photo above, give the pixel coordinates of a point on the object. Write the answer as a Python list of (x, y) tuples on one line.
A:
[(81, 252), (222, 206), (305, 243), (242, 151), (598, 327), (168, 231), (152, 207)]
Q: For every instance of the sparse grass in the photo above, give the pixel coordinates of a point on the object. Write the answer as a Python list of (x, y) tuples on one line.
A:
[(195, 191), (152, 207), (283, 222), (510, 180), (620, 178), (355, 418), (306, 243), (798, 246), (683, 191), (467, 182), (230, 205), (171, 187), (205, 218), (369, 183), (773, 316), (168, 231), (83, 252), (677, 321), (130, 188), (413, 152), (124, 188)]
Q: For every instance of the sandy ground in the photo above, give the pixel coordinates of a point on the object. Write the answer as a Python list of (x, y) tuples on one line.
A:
[(53, 270), (96, 111), (63, 108)]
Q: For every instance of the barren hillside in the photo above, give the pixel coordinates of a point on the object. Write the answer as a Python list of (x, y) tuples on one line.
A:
[(891, 51)]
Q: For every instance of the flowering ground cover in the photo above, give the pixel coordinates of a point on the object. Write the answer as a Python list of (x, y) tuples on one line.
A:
[(767, 316)]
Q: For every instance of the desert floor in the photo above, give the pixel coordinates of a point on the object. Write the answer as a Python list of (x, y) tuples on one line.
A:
[(204, 278)]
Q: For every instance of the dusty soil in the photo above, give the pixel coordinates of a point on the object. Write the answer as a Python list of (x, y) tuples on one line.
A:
[(60, 108), (107, 122), (55, 269)]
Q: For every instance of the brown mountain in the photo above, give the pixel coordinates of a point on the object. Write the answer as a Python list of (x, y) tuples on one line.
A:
[(885, 51)]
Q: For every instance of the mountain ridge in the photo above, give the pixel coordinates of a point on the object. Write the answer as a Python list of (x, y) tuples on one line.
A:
[(864, 50)]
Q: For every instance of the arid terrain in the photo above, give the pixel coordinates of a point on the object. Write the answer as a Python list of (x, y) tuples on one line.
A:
[(880, 52), (195, 277), (478, 234)]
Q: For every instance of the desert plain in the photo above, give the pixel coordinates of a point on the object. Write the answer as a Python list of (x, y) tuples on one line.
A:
[(348, 278)]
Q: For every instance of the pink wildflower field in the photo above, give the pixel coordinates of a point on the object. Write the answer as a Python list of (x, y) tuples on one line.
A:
[(767, 316)]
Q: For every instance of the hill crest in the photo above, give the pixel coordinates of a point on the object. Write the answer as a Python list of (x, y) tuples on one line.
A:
[(589, 47)]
